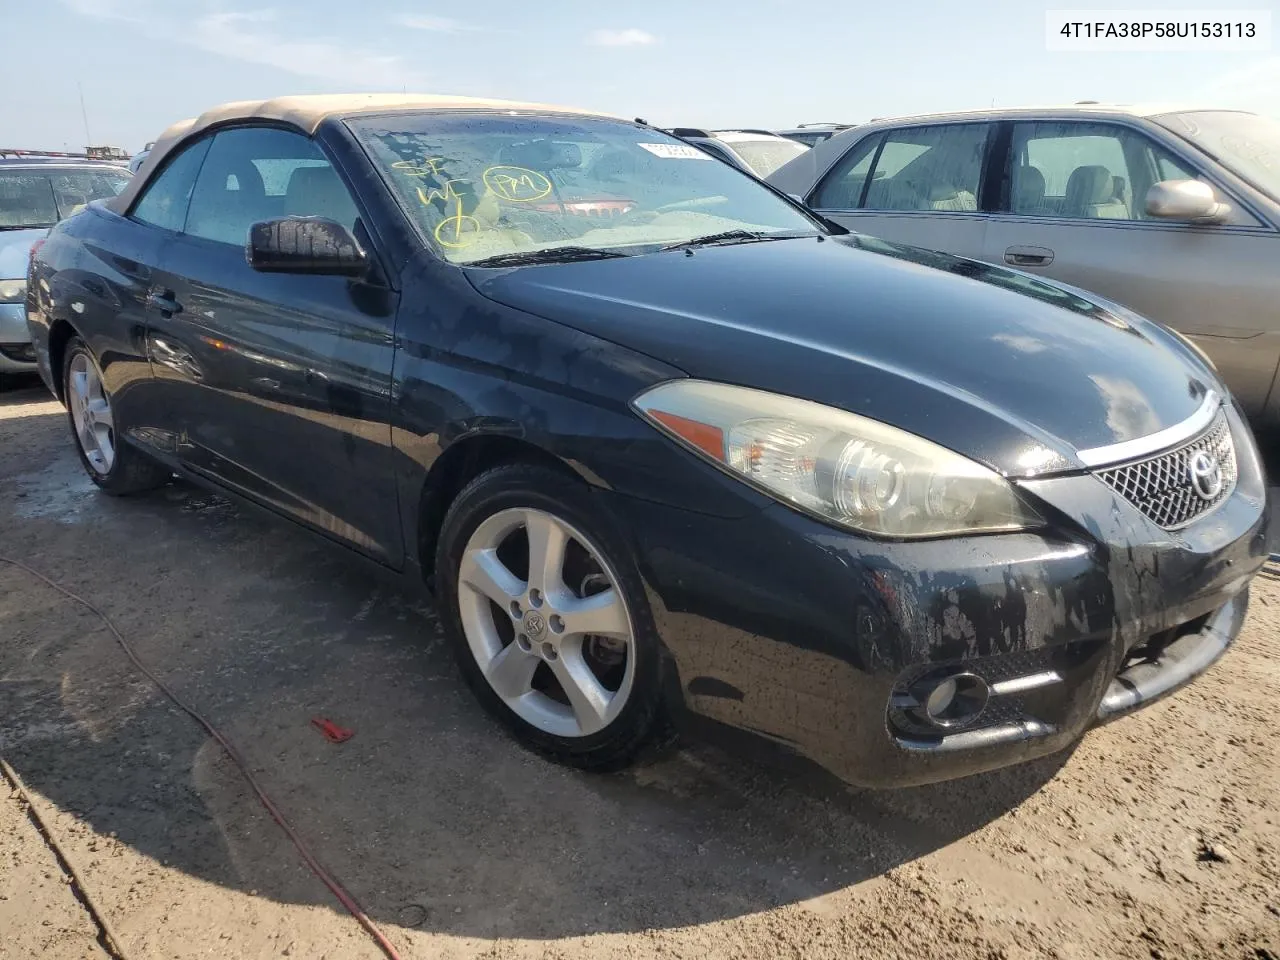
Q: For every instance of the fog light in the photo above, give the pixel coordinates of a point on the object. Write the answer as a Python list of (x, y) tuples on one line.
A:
[(942, 697), (956, 700)]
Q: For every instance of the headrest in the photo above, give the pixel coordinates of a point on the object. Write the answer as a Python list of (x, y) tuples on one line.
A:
[(312, 180), (1091, 184), (1030, 181), (318, 192)]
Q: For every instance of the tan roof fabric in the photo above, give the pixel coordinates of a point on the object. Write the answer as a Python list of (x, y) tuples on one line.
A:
[(308, 112)]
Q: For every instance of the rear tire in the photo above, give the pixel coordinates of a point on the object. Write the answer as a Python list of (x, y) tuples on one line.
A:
[(592, 700), (117, 468)]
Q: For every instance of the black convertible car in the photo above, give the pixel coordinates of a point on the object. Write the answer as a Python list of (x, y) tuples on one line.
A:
[(664, 444)]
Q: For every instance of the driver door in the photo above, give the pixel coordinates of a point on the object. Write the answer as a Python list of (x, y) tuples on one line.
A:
[(287, 377)]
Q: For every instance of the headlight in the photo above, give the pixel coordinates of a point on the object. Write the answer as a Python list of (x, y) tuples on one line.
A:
[(13, 291), (847, 469)]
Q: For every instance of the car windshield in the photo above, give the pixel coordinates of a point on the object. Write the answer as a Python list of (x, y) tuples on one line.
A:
[(40, 198), (1245, 143), (484, 186), (766, 156)]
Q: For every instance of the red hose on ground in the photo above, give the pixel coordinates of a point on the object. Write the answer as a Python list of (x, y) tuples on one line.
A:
[(325, 876)]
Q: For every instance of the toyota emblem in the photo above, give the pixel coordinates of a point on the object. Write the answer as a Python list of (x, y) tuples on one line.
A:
[(1206, 475), (534, 625)]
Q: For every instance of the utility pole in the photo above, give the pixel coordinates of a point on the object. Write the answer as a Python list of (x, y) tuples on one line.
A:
[(84, 113)]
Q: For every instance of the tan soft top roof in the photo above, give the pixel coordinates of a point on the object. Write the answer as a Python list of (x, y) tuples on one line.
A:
[(308, 112)]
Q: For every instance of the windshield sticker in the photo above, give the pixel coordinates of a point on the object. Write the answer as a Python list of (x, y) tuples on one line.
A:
[(517, 184), (675, 151)]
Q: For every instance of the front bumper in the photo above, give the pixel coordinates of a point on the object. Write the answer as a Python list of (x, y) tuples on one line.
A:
[(16, 353), (814, 638)]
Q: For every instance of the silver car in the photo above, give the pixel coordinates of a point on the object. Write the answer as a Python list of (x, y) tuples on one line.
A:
[(1172, 213), (34, 195)]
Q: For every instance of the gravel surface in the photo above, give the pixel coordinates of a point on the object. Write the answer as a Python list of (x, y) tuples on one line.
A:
[(1159, 836)]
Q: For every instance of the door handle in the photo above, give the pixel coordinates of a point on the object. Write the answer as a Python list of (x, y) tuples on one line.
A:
[(163, 302), (1028, 256)]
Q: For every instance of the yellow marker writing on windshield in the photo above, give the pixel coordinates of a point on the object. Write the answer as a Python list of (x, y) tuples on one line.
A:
[(458, 230), (428, 168), (445, 193), (517, 184)]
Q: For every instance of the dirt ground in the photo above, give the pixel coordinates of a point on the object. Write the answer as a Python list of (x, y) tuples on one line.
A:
[(1159, 836)]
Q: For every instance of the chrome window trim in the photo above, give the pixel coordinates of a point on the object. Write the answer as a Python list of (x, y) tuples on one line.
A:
[(1139, 447)]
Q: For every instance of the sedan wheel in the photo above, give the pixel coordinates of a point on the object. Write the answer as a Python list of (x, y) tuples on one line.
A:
[(91, 414), (546, 622)]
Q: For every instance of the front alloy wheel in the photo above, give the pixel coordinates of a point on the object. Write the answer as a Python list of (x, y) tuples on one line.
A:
[(546, 622), (544, 606)]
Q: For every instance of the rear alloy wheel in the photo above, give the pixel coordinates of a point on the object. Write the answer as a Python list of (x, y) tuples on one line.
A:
[(548, 618), (91, 414), (115, 467)]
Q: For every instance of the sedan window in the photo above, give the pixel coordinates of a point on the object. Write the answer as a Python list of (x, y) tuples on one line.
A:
[(929, 168), (1086, 171), (486, 186), (935, 168), (263, 173), (842, 188), (41, 198)]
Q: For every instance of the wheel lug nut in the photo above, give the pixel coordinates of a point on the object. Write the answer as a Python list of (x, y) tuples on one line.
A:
[(535, 597), (515, 610), (557, 625), (523, 642), (549, 651)]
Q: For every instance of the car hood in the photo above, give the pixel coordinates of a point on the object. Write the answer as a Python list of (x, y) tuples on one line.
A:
[(1014, 372), (15, 250)]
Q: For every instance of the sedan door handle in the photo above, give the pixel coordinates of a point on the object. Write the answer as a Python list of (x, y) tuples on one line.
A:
[(1028, 256), (163, 302)]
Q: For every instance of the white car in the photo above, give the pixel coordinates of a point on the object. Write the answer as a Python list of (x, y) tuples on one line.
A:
[(758, 152)]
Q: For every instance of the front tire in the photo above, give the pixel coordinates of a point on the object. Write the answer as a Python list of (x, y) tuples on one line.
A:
[(117, 468), (546, 613)]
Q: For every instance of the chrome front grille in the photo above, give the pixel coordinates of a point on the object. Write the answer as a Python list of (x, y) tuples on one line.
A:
[(1162, 486)]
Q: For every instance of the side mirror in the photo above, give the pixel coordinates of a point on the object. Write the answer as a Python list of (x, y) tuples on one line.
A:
[(305, 245), (1185, 200)]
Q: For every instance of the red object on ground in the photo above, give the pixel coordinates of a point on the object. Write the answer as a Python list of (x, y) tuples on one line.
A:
[(332, 732), (328, 879)]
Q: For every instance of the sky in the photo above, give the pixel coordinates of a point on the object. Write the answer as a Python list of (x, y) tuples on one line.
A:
[(143, 64)]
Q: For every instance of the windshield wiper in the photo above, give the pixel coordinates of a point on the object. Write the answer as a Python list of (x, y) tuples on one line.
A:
[(25, 226), (518, 258), (734, 236)]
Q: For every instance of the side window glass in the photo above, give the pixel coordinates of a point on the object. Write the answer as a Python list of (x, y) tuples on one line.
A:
[(1168, 168), (842, 188), (263, 173), (1074, 170), (164, 200), (929, 168)]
